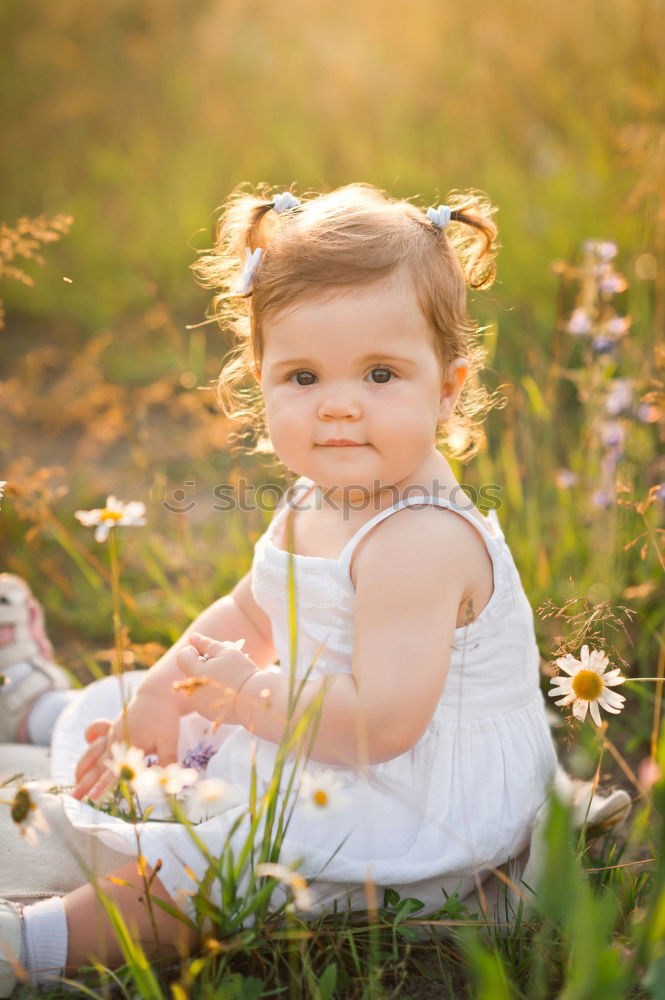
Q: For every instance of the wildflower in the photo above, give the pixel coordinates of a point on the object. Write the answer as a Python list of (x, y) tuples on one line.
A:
[(322, 793), (603, 345), (209, 797), (658, 491), (619, 396), (617, 326), (611, 282), (579, 322), (26, 811), (565, 478), (302, 895), (170, 779), (606, 249), (127, 763), (601, 498), (199, 756), (587, 685), (648, 413), (613, 434), (115, 513)]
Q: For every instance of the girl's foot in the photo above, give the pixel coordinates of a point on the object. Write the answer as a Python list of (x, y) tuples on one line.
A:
[(601, 811), (31, 682)]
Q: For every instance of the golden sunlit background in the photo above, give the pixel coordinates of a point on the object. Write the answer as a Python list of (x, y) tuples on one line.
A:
[(126, 123)]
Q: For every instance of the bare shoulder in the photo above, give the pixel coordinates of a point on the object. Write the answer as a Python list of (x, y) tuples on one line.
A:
[(431, 549)]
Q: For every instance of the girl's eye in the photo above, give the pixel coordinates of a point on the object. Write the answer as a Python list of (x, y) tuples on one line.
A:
[(385, 371), (297, 376)]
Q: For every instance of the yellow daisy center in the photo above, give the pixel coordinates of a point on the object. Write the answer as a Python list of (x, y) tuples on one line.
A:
[(111, 515), (21, 806), (320, 797), (127, 773), (587, 685)]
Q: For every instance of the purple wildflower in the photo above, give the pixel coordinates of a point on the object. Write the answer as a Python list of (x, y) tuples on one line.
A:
[(601, 498), (648, 413), (613, 434), (603, 345), (617, 325), (606, 249), (199, 756), (579, 322), (619, 396), (611, 282)]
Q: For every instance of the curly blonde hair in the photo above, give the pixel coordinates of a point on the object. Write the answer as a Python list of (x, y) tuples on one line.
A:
[(355, 235)]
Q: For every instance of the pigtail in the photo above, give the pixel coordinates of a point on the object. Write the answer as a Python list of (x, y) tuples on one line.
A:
[(474, 238), (246, 222)]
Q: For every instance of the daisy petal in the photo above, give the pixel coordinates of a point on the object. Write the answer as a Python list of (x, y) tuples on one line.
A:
[(580, 709)]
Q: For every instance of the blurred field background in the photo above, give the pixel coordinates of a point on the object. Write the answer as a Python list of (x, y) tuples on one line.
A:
[(137, 119)]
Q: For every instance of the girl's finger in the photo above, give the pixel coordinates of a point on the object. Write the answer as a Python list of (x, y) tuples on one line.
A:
[(89, 779), (203, 644), (97, 728), (100, 787), (90, 757)]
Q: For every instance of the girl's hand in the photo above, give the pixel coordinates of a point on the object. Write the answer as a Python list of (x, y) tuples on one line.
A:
[(150, 722), (214, 673)]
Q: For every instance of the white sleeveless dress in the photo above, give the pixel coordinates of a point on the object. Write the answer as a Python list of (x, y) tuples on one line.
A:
[(460, 801)]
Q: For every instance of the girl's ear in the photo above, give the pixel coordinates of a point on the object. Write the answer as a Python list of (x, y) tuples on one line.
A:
[(451, 388)]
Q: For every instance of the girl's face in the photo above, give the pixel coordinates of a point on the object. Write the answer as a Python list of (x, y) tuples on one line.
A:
[(356, 366)]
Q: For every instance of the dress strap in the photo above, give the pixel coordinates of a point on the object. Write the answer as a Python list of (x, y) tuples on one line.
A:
[(491, 534)]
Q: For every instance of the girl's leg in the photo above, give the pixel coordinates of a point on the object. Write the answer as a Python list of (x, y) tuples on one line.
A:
[(58, 935), (90, 935)]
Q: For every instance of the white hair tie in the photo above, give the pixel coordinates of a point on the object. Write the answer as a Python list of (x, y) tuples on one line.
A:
[(440, 216), (252, 261), (283, 202)]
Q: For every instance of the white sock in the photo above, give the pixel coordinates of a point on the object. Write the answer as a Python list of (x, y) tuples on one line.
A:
[(46, 709), (44, 940)]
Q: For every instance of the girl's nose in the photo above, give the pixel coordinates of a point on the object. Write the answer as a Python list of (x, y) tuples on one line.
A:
[(336, 404)]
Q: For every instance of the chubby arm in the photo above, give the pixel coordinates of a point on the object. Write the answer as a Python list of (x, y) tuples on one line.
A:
[(412, 573)]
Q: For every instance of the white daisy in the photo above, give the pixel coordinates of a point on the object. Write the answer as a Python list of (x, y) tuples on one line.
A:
[(302, 894), (128, 763), (588, 686), (115, 513), (170, 779), (210, 797), (322, 793), (26, 811)]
